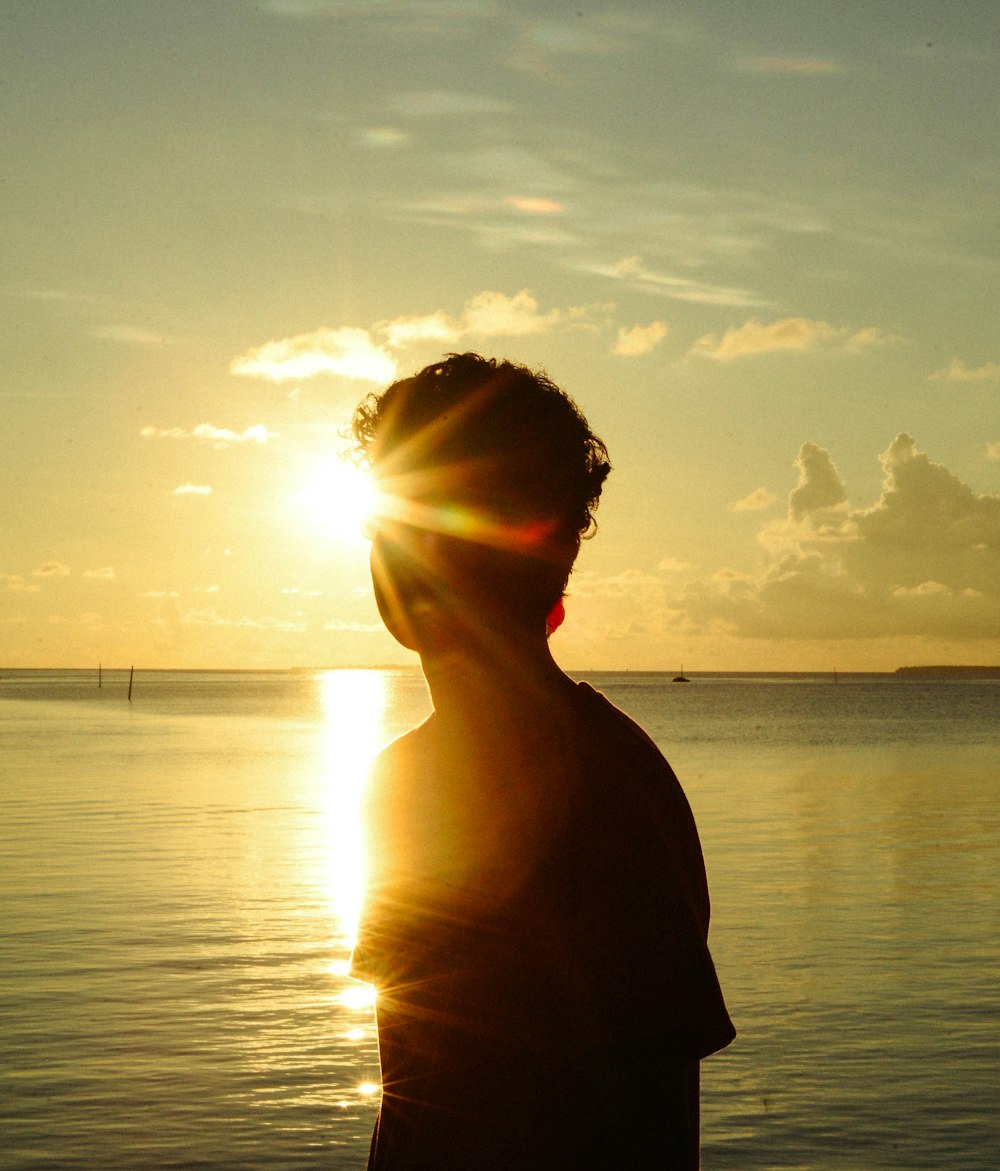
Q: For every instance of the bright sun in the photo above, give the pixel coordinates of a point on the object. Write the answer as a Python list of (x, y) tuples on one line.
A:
[(337, 500)]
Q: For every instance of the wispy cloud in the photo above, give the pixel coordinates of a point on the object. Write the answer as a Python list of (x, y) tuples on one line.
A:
[(534, 204), (17, 583), (447, 103), (341, 626), (790, 334), (791, 66), (957, 371), (192, 490), (633, 272), (107, 573), (633, 341), (217, 436), (211, 617), (757, 501), (52, 569), (133, 335)]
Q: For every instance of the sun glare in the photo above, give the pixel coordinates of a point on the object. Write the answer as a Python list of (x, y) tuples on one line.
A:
[(337, 500)]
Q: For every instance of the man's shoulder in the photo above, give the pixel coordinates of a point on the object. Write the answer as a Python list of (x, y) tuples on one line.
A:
[(617, 732), (410, 745)]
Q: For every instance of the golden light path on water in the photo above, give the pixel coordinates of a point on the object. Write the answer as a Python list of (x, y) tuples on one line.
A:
[(353, 704)]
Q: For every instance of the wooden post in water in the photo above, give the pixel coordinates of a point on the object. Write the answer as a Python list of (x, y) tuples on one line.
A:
[(130, 672)]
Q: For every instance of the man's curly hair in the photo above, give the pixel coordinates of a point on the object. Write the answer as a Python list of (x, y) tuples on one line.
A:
[(500, 439)]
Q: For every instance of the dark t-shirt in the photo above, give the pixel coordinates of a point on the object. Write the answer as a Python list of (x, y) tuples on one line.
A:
[(536, 930)]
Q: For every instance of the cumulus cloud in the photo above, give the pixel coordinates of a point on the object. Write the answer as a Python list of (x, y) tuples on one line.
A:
[(52, 569), (639, 339), (757, 501), (348, 352), (923, 560), (218, 436), (819, 487), (192, 490), (957, 371), (789, 333), (492, 314)]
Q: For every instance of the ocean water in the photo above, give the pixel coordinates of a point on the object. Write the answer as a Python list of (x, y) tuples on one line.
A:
[(179, 881)]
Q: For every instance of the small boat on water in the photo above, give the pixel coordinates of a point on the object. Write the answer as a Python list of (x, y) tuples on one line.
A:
[(681, 678)]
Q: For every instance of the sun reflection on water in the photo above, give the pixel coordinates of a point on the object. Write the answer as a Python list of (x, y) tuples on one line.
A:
[(353, 704)]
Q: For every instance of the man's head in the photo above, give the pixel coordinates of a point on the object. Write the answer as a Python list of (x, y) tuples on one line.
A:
[(490, 476)]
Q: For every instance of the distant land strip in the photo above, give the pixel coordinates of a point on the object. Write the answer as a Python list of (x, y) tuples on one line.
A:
[(950, 671)]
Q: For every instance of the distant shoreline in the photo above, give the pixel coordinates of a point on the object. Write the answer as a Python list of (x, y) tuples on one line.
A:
[(946, 672)]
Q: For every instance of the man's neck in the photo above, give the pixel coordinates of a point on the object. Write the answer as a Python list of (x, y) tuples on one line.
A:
[(500, 678)]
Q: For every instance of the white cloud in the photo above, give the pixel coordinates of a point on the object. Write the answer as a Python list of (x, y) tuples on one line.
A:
[(192, 490), (957, 371), (218, 436), (348, 352), (789, 333), (757, 501), (639, 339), (105, 574)]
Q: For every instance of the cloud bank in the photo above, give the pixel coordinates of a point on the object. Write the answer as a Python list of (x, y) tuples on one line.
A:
[(923, 560)]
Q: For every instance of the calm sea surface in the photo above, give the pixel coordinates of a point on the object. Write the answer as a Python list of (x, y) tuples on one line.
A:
[(178, 878)]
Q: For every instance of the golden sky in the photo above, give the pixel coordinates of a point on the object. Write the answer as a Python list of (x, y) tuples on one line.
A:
[(757, 242)]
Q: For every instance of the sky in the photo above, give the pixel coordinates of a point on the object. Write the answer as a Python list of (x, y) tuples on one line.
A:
[(756, 242)]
